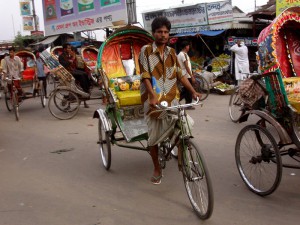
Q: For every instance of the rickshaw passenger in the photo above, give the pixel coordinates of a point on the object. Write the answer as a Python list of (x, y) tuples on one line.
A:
[(160, 70), (68, 60), (12, 68)]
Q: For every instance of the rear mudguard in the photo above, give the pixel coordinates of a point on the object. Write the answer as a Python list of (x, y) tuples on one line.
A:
[(102, 115), (282, 133)]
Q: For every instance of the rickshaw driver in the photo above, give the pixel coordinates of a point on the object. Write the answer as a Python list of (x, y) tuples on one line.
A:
[(160, 71), (12, 68)]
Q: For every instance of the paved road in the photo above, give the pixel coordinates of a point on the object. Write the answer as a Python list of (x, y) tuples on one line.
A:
[(51, 173)]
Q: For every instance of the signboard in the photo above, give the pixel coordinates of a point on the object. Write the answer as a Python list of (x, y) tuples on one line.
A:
[(188, 16), (63, 16), (249, 41), (219, 12), (25, 8), (28, 23), (281, 5)]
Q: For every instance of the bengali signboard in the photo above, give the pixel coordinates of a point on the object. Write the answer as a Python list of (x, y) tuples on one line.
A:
[(249, 41), (63, 16), (188, 16), (25, 8), (27, 23), (219, 12), (281, 5)]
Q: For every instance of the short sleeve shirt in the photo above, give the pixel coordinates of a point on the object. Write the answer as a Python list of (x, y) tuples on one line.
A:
[(163, 74), (182, 57)]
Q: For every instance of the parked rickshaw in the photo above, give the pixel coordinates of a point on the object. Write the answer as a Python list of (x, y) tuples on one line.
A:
[(89, 55), (65, 99), (119, 68), (260, 147), (30, 85)]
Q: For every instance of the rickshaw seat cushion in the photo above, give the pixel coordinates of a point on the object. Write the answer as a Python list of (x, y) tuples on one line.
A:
[(292, 88), (28, 74), (127, 98)]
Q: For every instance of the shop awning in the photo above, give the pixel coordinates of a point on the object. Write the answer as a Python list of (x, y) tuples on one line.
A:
[(211, 32), (47, 41)]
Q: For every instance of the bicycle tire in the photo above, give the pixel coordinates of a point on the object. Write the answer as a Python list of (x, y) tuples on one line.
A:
[(256, 151), (16, 106), (104, 146), (201, 86), (195, 172), (42, 96), (8, 101), (235, 106), (63, 104)]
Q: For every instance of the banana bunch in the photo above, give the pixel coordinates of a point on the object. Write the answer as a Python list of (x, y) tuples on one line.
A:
[(223, 86), (224, 56)]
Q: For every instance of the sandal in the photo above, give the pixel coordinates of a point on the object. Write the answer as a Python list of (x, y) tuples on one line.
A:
[(156, 180)]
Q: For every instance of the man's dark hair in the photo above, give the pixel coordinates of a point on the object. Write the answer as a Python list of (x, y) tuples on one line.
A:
[(11, 49), (159, 22), (209, 68), (184, 44), (65, 45)]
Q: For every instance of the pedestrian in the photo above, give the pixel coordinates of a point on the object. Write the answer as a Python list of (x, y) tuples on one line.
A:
[(241, 63), (40, 72), (160, 72), (185, 64)]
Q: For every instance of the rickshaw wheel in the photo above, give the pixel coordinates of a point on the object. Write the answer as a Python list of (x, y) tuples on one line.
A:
[(201, 86), (63, 104), (235, 106), (258, 160), (104, 145)]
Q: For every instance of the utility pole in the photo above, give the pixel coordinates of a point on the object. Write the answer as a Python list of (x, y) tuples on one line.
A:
[(13, 23), (34, 16), (254, 5)]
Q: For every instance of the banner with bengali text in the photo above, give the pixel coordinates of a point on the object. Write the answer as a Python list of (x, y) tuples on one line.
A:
[(179, 17), (219, 12), (64, 16)]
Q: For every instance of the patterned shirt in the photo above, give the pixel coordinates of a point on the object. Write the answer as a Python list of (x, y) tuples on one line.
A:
[(12, 67), (163, 74)]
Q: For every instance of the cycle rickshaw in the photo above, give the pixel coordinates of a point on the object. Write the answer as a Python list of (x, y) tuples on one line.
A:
[(259, 148), (31, 87), (65, 99), (124, 115)]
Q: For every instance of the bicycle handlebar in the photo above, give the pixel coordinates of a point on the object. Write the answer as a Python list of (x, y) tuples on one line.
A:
[(164, 105)]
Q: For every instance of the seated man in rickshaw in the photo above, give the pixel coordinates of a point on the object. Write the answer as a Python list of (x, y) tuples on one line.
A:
[(160, 70), (68, 60), (12, 68)]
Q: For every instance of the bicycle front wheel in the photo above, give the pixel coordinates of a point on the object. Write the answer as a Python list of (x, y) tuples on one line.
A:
[(15, 103), (8, 101), (42, 96), (235, 107), (197, 180), (258, 159)]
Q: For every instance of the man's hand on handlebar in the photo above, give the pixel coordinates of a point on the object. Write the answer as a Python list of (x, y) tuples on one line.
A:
[(196, 95)]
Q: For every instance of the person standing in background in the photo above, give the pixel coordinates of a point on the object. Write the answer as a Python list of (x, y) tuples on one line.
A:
[(186, 67), (241, 63), (40, 72)]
